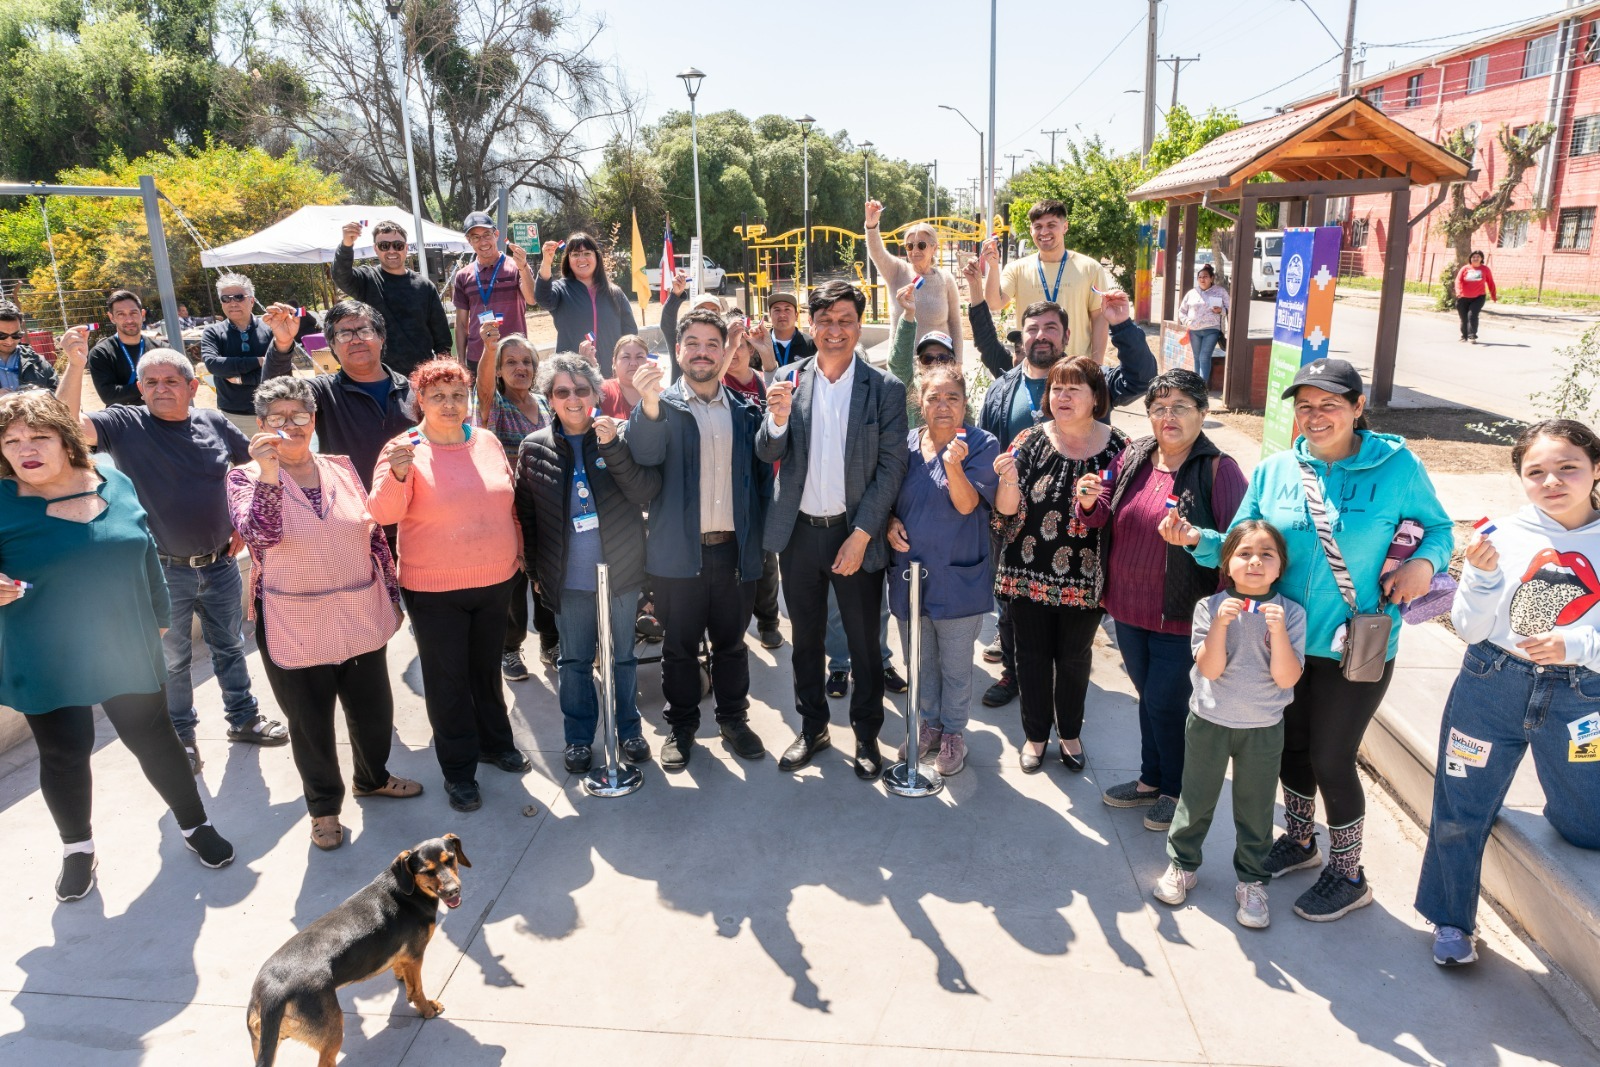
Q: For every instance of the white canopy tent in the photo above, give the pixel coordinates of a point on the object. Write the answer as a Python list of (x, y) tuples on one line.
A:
[(311, 234)]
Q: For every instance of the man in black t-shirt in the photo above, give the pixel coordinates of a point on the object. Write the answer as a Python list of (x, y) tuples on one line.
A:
[(418, 327), (113, 359)]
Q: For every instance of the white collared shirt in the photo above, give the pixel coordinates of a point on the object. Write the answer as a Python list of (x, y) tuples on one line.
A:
[(830, 426)]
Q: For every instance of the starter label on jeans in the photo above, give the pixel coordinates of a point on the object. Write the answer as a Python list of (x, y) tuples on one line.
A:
[(1468, 750), (1454, 767), (1583, 753), (1585, 729)]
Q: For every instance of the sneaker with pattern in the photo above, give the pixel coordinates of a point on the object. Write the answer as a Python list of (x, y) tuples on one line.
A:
[(1334, 896), (1290, 855)]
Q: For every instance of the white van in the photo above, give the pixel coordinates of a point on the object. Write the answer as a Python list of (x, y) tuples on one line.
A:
[(1266, 263)]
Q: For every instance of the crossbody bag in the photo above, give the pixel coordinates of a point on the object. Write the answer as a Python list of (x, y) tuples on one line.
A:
[(1366, 640)]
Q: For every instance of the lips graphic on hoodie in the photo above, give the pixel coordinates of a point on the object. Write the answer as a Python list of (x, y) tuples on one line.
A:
[(1558, 589)]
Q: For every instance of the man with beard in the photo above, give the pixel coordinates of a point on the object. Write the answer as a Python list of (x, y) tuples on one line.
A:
[(704, 548), (408, 302), (1016, 401)]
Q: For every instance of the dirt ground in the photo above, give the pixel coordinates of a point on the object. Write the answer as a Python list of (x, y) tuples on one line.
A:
[(1443, 438)]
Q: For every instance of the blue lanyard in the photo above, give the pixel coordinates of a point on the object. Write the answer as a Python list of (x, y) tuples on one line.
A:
[(133, 367), (580, 479), (485, 294), (1051, 294)]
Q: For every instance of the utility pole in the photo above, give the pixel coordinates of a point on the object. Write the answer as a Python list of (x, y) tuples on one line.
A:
[(990, 170), (1349, 43), (1014, 156), (1052, 135), (1177, 63), (1150, 77)]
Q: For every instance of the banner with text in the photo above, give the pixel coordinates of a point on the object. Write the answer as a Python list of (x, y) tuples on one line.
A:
[(1301, 324)]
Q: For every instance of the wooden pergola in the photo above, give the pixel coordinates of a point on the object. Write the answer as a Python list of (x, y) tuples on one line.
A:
[(1343, 147)]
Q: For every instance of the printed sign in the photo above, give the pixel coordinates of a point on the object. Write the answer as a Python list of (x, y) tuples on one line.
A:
[(1301, 323), (1468, 750), (525, 235), (1175, 351)]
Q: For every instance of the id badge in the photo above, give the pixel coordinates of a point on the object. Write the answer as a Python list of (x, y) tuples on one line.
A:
[(487, 318), (585, 523)]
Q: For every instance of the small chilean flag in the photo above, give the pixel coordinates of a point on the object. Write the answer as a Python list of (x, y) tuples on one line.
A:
[(594, 413), (1172, 502), (961, 434), (589, 337), (22, 587), (668, 261), (1012, 451), (282, 433), (92, 326), (361, 222), (414, 436), (1251, 607), (1107, 477), (918, 283), (561, 246), (300, 313), (1483, 527)]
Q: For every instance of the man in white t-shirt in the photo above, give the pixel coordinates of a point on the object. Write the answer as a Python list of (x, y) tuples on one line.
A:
[(1056, 274)]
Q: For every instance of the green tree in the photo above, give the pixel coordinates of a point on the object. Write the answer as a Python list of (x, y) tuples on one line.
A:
[(1094, 183), (1462, 220), (1183, 136), (225, 192)]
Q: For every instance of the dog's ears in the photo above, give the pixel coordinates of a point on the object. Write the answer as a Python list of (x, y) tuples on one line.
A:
[(401, 869), (455, 846)]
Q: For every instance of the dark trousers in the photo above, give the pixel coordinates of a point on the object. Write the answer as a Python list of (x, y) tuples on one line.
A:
[(807, 576), (1008, 637), (544, 620), (766, 607), (460, 636), (1158, 666), (1054, 654), (1468, 309), (307, 695), (66, 739), (1322, 729), (717, 604)]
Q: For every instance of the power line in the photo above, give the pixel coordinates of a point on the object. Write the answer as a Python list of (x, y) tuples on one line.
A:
[(1337, 55), (1140, 21), (1421, 41)]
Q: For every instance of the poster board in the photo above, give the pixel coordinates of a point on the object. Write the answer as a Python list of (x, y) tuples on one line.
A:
[(1302, 322), (1175, 351)]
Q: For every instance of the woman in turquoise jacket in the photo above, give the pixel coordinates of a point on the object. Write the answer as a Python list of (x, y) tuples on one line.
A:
[(1369, 482)]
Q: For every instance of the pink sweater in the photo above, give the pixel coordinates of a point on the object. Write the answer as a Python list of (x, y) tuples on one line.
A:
[(458, 527)]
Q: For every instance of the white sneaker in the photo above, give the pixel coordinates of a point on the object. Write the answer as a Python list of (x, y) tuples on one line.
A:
[(1252, 898), (1174, 885)]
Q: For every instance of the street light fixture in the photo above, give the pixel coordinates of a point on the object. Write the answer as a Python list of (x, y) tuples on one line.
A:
[(981, 157), (866, 188), (393, 7), (691, 82), (805, 122)]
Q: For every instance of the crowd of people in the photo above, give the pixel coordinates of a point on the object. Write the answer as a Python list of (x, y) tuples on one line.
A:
[(471, 489)]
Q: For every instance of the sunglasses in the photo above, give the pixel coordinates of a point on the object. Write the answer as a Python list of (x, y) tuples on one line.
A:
[(233, 298), (936, 357), (561, 392), (390, 246), (12, 336), (918, 245), (278, 422)]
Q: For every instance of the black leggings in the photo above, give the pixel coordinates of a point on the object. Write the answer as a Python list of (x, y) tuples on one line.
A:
[(1468, 308), (1055, 650), (1322, 729), (66, 739)]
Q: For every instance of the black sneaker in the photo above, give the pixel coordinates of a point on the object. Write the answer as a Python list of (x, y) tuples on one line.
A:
[(511, 761), (512, 667), (192, 750), (838, 684), (549, 652), (464, 796), (1290, 855), (636, 750), (676, 751), (77, 876), (577, 758), (742, 739), (260, 731), (1334, 896), (770, 637), (893, 682), (1002, 692), (213, 850), (649, 629)]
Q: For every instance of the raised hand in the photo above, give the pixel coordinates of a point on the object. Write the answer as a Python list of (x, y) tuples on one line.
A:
[(648, 380), (874, 213), (399, 454), (780, 398), (605, 429), (350, 234), (1177, 530), (518, 254), (284, 324), (680, 281), (906, 297), (1482, 555)]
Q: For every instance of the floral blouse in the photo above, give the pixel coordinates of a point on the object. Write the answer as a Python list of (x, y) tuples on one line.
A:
[(507, 422), (1048, 554)]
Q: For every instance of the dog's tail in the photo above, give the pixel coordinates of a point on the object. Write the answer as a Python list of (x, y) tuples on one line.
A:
[(265, 1018)]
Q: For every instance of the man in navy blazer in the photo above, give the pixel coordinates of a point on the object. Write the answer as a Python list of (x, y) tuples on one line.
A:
[(837, 428)]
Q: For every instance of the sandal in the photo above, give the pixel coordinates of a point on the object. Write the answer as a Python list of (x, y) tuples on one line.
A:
[(326, 833), (397, 787)]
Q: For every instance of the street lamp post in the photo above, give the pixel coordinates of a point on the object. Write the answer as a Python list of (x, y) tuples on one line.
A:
[(866, 188), (691, 82), (393, 7), (805, 122), (981, 156)]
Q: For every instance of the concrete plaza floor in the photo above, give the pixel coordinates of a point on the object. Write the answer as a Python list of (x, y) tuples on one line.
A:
[(730, 913)]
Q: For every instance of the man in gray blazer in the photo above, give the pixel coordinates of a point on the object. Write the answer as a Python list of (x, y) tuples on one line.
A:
[(837, 427)]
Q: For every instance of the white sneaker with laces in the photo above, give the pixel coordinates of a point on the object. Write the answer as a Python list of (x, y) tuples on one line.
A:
[(1174, 885), (1252, 900)]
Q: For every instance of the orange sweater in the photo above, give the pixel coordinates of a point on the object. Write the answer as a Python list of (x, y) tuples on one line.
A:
[(458, 528)]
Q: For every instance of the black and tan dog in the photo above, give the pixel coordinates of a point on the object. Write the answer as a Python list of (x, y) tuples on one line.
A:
[(385, 925)]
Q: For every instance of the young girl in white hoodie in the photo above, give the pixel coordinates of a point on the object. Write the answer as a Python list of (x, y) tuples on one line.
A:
[(1529, 607)]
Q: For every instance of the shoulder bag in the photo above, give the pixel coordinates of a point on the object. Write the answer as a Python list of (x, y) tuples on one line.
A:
[(1366, 641)]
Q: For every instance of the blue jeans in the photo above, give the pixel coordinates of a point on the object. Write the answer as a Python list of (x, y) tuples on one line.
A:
[(839, 649), (1158, 665), (1203, 343), (1507, 705), (215, 592), (580, 702), (944, 686)]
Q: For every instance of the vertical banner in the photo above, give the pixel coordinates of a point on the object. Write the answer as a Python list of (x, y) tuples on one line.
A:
[(1302, 322), (696, 266), (1141, 274)]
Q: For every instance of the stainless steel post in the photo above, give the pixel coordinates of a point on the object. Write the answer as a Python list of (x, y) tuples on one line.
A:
[(616, 778), (906, 778)]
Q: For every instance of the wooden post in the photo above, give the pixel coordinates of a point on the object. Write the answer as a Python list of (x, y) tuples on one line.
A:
[(1191, 238), (1392, 300), (1169, 276), (1317, 211), (1237, 368)]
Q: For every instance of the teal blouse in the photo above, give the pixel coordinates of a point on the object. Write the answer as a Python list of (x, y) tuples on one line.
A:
[(90, 626)]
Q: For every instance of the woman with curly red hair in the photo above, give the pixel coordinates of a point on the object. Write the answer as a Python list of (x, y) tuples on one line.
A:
[(449, 490)]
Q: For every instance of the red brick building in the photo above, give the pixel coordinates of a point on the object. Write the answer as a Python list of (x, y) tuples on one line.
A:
[(1544, 70)]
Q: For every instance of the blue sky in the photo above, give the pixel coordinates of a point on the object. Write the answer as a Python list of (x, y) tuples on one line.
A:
[(881, 69)]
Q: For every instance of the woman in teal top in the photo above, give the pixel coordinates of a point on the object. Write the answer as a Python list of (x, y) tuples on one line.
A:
[(82, 607), (1369, 483)]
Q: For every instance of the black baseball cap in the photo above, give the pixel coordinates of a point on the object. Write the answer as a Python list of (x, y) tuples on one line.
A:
[(477, 219), (1329, 375)]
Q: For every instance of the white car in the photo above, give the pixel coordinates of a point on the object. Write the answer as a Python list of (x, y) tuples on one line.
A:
[(712, 276)]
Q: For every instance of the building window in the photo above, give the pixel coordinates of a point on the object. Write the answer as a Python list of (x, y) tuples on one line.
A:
[(1520, 132), (1477, 74), (1539, 56), (1513, 230), (1591, 43), (1585, 136), (1414, 91), (1358, 232), (1574, 229), (1375, 97)]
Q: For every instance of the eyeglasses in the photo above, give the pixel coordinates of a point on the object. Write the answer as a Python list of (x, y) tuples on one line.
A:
[(233, 298), (1177, 411), (561, 392), (389, 246), (278, 422), (12, 336), (918, 245), (936, 357), (366, 333)]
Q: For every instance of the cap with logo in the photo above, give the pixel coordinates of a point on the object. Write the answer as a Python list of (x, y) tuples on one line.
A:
[(937, 338), (1329, 375), (477, 219)]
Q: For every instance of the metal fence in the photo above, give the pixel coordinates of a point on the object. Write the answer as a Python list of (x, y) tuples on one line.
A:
[(1543, 272)]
